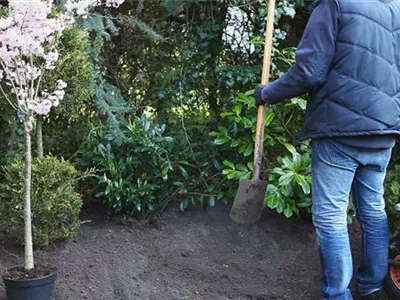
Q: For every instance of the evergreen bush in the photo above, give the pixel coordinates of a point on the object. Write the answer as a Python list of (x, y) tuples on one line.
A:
[(55, 203)]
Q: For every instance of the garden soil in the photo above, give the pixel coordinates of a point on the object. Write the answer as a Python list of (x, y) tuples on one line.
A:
[(183, 256)]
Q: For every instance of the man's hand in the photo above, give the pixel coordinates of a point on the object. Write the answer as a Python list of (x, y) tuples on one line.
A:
[(258, 95)]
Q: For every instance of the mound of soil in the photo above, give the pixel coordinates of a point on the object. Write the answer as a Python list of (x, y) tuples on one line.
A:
[(40, 271), (193, 255)]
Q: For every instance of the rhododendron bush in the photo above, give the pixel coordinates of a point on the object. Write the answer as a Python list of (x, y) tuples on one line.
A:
[(28, 48)]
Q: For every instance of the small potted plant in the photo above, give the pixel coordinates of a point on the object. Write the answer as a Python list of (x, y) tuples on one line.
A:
[(28, 40)]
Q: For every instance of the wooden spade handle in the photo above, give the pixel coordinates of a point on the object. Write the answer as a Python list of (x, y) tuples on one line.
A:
[(259, 145)]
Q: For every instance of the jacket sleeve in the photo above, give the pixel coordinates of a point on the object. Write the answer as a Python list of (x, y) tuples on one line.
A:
[(314, 55)]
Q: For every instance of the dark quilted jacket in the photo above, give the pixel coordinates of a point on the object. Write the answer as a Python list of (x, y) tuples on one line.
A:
[(355, 89)]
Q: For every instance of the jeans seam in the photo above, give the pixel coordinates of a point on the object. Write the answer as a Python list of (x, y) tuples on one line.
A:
[(364, 235), (360, 218)]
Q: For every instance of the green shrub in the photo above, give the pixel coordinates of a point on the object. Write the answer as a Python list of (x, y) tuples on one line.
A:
[(55, 203), (131, 173), (392, 189), (392, 195), (288, 168), (289, 188), (145, 170)]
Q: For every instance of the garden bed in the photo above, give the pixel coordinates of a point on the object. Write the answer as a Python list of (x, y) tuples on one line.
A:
[(192, 255)]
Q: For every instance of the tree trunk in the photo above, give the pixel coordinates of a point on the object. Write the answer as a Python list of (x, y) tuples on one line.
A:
[(39, 137), (29, 263)]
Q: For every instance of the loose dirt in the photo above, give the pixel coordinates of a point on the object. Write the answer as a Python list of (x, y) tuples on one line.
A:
[(192, 255)]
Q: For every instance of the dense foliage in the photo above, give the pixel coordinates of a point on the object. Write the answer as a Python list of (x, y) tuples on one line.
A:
[(392, 196), (55, 202), (159, 102), (130, 174)]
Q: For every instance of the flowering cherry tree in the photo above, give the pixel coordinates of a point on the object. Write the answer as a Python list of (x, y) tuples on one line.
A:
[(28, 39)]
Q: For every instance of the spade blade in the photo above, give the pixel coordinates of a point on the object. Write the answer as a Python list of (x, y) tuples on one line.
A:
[(247, 207)]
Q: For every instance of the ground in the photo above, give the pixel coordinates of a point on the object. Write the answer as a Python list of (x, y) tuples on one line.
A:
[(192, 255)]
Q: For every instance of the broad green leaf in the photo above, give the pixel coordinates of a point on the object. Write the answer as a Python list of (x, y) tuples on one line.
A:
[(249, 150), (304, 204), (211, 202), (183, 205), (165, 170), (223, 130), (269, 118), (300, 102), (230, 174), (238, 108), (288, 212), (228, 164), (349, 220), (99, 194), (243, 148), (297, 161), (272, 201), (278, 171), (305, 186), (296, 210), (271, 189), (221, 141), (290, 148), (287, 190), (227, 114), (235, 143), (241, 167), (214, 133), (217, 165), (185, 174), (286, 179), (287, 162), (249, 93)]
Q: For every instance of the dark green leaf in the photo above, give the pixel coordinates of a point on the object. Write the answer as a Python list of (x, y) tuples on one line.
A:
[(290, 148), (221, 141), (228, 164), (211, 202), (269, 118), (288, 212)]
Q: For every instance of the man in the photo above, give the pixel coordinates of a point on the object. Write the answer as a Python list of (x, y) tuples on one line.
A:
[(349, 62)]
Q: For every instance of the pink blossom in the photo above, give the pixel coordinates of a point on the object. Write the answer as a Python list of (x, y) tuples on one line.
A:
[(28, 48), (61, 84), (114, 3)]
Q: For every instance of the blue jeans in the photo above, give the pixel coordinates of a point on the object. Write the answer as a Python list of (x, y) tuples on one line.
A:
[(338, 169)]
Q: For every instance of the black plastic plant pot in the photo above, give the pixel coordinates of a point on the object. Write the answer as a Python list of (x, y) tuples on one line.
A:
[(31, 289)]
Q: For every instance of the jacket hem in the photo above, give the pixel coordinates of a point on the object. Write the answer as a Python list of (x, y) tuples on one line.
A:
[(321, 135)]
